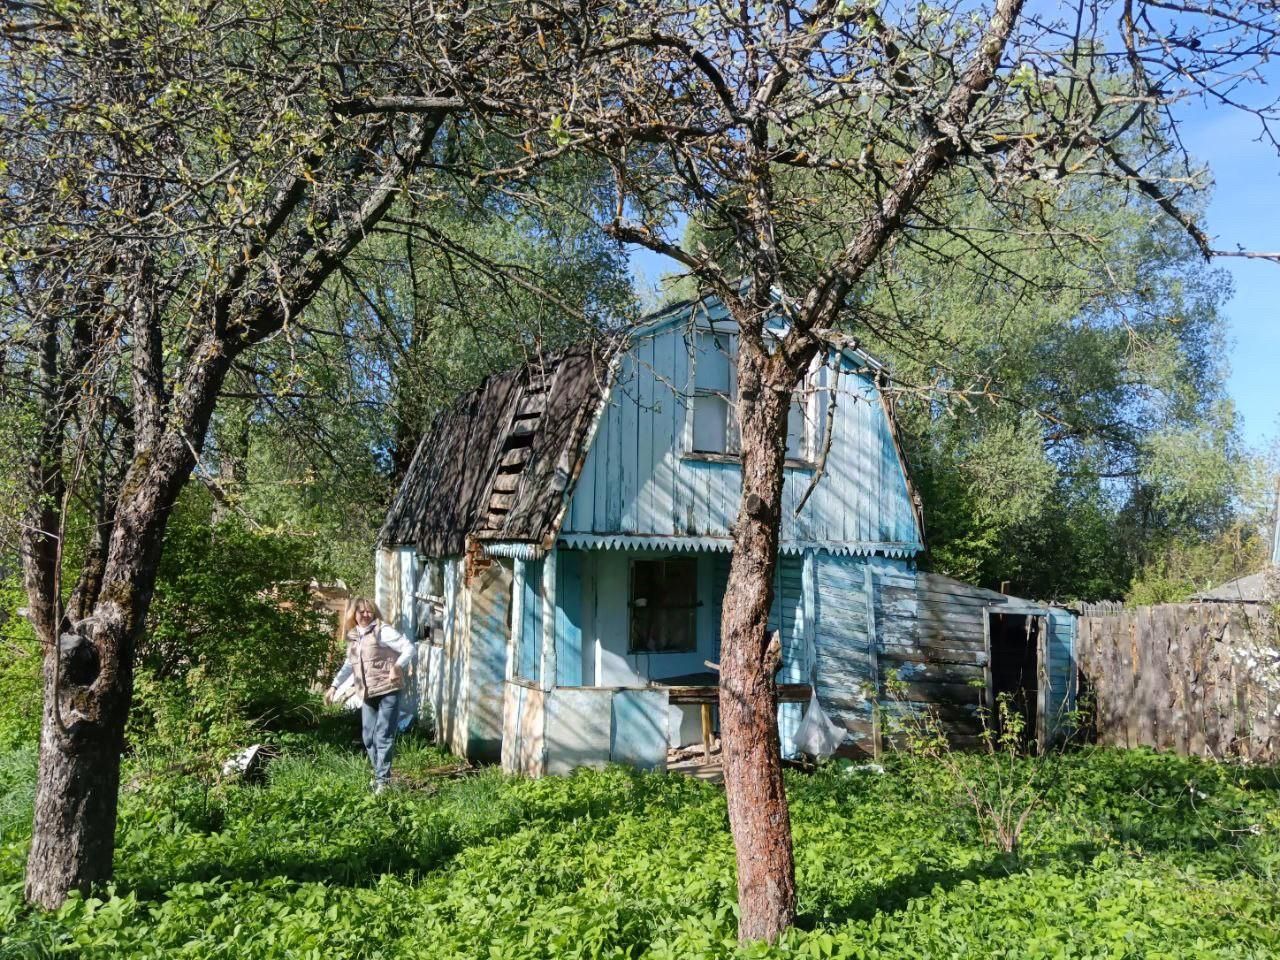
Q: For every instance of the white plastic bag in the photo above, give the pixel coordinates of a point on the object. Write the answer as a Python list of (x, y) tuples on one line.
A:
[(818, 735)]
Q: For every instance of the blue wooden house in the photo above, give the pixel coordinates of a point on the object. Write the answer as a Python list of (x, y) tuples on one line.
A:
[(561, 543)]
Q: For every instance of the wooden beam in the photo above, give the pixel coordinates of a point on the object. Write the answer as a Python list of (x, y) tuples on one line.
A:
[(547, 662)]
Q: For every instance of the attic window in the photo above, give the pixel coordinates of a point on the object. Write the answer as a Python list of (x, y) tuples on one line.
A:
[(715, 428), (664, 603), (715, 396)]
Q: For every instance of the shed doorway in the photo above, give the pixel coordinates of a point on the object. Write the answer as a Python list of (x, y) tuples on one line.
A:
[(1016, 658)]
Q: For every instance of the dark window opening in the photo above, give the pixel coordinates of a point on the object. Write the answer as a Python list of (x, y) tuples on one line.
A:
[(664, 603)]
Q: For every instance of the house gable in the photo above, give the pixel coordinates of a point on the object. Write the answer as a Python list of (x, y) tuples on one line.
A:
[(640, 482)]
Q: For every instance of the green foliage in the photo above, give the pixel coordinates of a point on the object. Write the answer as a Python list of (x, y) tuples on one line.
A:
[(20, 662), (1189, 564), (1059, 359), (1003, 788), (1132, 855), (318, 433), (232, 638)]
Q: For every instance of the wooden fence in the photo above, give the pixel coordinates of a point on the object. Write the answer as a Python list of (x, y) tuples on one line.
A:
[(1199, 679)]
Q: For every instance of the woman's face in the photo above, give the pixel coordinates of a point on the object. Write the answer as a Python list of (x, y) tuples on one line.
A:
[(364, 616)]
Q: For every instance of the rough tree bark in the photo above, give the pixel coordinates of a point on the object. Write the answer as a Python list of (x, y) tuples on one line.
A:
[(89, 649), (758, 814)]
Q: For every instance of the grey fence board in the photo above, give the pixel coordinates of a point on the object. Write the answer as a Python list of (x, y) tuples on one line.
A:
[(1200, 679)]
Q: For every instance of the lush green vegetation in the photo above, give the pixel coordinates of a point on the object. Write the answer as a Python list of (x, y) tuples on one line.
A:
[(233, 638), (1133, 855)]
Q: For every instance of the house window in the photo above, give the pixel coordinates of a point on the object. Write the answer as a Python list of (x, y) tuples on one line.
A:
[(715, 395), (429, 601), (715, 428), (664, 604)]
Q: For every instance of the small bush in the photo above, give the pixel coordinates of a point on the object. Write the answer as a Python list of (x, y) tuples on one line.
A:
[(232, 640), (20, 663)]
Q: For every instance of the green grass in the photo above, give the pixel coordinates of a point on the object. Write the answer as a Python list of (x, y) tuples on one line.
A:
[(1133, 855)]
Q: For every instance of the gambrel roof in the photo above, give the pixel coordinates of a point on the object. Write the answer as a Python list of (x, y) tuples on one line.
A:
[(503, 463)]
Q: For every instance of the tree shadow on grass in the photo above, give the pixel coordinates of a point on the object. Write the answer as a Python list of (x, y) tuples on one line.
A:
[(896, 893), (1148, 805), (416, 853)]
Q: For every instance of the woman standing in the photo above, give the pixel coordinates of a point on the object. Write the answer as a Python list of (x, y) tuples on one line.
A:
[(377, 655)]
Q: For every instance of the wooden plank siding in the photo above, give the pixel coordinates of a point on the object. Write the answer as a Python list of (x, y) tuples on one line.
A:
[(842, 645), (578, 465), (932, 639), (490, 595), (930, 633), (638, 481)]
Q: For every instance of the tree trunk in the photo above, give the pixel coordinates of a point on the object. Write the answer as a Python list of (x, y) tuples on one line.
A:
[(88, 686), (88, 670), (758, 814), (73, 837)]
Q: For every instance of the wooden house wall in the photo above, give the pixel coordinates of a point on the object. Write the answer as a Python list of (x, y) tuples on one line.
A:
[(396, 572), (636, 482), (451, 729), (932, 638), (844, 656), (490, 607), (529, 656), (524, 724), (556, 731), (928, 630), (593, 627), (1061, 696)]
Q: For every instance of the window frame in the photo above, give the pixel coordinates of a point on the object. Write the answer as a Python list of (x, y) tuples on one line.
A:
[(732, 442), (428, 597), (810, 389), (692, 608)]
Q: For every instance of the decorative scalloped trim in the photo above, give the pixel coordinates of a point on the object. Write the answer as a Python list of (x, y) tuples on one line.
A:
[(612, 541)]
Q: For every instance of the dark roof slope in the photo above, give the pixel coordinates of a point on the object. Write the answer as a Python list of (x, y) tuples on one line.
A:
[(497, 463)]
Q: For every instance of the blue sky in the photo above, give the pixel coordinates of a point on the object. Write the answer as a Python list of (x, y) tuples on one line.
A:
[(1244, 211)]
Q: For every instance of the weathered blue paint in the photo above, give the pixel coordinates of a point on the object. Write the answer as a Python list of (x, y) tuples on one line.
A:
[(787, 615), (593, 626), (849, 605), (640, 479), (528, 657), (487, 662), (843, 661), (673, 544), (569, 618), (579, 726), (639, 728), (1060, 699)]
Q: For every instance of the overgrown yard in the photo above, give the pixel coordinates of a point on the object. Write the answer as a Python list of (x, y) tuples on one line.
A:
[(1132, 855)]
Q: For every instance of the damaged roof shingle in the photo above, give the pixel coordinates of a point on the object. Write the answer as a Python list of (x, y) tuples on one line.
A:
[(497, 463)]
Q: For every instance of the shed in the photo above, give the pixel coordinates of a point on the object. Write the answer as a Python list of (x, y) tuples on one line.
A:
[(561, 542)]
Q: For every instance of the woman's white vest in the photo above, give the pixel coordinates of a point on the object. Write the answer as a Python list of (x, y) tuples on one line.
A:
[(373, 665)]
